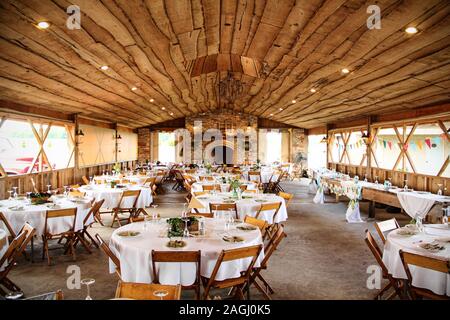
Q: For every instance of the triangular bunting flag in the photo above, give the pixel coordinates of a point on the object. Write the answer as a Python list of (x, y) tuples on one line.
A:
[(428, 142)]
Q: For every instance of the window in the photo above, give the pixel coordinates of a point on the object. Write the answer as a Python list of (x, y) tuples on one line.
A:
[(386, 149), (273, 147), (317, 152), (166, 147), (20, 147)]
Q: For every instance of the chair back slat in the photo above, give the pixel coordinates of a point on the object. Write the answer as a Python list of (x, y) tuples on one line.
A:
[(144, 291), (385, 227), (240, 253), (376, 251), (61, 213)]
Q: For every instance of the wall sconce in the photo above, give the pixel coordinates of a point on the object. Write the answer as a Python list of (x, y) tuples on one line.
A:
[(324, 139), (117, 136), (365, 137), (79, 132)]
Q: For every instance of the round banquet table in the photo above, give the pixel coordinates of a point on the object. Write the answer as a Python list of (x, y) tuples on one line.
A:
[(3, 245), (266, 173), (112, 195), (435, 281), (134, 253), (19, 212), (198, 186), (248, 206)]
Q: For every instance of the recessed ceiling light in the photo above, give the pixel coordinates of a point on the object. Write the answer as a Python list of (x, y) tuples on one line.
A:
[(271, 114), (151, 100), (294, 101), (281, 109), (104, 68), (134, 88), (163, 108), (411, 30), (313, 90), (171, 113), (43, 25), (345, 71)]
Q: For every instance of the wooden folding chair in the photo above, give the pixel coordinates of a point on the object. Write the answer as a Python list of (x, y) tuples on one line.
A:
[(179, 181), (131, 210), (8, 261), (83, 236), (85, 180), (394, 283), (385, 227), (74, 186), (201, 214), (434, 264), (109, 253), (237, 284), (68, 234), (243, 187), (213, 207), (275, 206), (274, 186), (211, 187), (261, 224), (254, 176), (199, 193), (286, 196), (206, 178), (190, 171), (57, 295), (276, 239), (179, 256), (144, 291), (30, 231), (159, 181), (8, 227)]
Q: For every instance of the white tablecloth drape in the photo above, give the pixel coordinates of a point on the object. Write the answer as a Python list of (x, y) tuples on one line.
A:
[(134, 253), (3, 245), (435, 281), (35, 215), (249, 206), (112, 195), (416, 204)]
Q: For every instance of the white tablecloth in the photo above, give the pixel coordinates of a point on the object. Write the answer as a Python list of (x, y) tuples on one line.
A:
[(248, 207), (35, 215), (138, 179), (417, 204), (112, 195), (435, 281), (134, 253), (3, 245)]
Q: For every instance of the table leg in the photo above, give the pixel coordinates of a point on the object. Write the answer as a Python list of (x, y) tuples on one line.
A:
[(372, 209)]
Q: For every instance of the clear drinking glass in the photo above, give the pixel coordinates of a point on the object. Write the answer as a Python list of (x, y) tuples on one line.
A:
[(49, 186), (28, 197), (405, 187), (15, 195), (444, 216), (439, 192), (66, 191), (161, 294), (154, 213), (10, 195), (88, 282), (376, 180)]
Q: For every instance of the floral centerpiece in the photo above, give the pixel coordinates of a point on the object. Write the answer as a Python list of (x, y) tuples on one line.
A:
[(208, 167), (116, 168), (177, 226), (257, 165), (39, 197)]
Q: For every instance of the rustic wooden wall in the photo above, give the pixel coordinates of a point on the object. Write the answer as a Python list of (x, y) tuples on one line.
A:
[(57, 178)]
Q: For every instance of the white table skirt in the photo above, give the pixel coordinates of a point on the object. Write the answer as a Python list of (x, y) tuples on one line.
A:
[(112, 196), (138, 179), (435, 281), (35, 216), (134, 253), (198, 186), (4, 244), (248, 207)]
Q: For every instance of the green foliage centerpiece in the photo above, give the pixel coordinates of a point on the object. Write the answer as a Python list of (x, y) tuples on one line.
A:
[(177, 226), (116, 168), (235, 186), (208, 167)]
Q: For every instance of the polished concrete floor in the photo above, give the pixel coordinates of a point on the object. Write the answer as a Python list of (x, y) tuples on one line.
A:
[(323, 256)]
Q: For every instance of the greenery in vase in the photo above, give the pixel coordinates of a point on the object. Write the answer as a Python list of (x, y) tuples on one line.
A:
[(177, 226), (116, 168)]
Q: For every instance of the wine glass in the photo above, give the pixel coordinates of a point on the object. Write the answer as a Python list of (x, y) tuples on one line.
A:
[(365, 177), (10, 195), (15, 195), (444, 216), (66, 191), (185, 218), (29, 197), (49, 188), (91, 180), (405, 187), (376, 180), (154, 214), (439, 192), (161, 294), (88, 282)]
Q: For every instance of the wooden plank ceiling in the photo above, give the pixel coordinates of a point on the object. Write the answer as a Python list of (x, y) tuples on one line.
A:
[(303, 45)]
